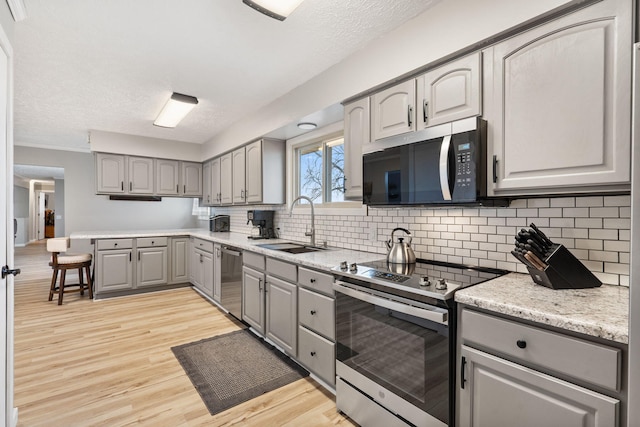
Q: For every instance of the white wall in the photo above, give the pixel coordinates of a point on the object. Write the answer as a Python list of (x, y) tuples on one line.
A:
[(111, 142), (446, 28), (85, 211)]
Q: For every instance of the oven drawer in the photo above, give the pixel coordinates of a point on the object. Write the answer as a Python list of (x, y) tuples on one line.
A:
[(315, 280), (115, 244), (253, 260), (318, 354), (317, 312), (204, 245), (282, 269), (580, 359)]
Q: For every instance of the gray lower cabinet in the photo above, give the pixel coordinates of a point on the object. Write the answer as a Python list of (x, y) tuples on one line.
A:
[(127, 264), (253, 298), (316, 324), (217, 269), (201, 262), (179, 260), (152, 262), (281, 313), (114, 265), (512, 374)]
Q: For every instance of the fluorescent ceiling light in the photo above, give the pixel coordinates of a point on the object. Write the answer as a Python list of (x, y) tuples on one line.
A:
[(176, 108), (307, 125), (278, 9)]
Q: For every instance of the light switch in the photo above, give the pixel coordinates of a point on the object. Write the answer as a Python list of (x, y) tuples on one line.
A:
[(58, 216)]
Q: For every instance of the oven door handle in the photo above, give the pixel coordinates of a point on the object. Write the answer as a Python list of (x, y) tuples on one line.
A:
[(435, 314)]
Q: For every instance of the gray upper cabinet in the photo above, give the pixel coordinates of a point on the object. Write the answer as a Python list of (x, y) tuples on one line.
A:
[(226, 179), (450, 92), (254, 173), (207, 185), (357, 133), (135, 175), (191, 179), (167, 177), (118, 174), (239, 170), (557, 99), (110, 173), (141, 175), (393, 110)]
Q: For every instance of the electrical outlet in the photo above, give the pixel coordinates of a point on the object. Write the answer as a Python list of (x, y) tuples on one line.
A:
[(373, 234)]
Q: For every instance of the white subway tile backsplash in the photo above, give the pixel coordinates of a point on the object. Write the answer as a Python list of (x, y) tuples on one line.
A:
[(563, 202), (538, 203), (590, 201), (596, 229)]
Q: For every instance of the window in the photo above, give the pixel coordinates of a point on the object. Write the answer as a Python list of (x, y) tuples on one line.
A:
[(320, 171)]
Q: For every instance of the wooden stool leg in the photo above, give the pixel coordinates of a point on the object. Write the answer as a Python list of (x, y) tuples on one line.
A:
[(81, 281), (89, 281), (61, 290), (54, 279)]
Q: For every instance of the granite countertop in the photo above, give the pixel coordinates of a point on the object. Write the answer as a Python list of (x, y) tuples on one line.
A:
[(600, 312), (322, 260)]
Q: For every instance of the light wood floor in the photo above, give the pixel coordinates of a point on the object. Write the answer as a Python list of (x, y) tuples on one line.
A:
[(109, 363)]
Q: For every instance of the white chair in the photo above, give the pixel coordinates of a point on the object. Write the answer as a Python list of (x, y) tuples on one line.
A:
[(68, 262)]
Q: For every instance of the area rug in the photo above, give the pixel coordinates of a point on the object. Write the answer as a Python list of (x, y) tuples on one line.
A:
[(233, 368)]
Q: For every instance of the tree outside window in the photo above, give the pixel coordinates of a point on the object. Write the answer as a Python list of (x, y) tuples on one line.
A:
[(321, 171)]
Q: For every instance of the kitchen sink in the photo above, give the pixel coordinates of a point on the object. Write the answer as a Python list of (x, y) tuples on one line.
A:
[(292, 248)]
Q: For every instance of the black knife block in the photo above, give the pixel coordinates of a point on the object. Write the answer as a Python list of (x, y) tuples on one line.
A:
[(564, 271)]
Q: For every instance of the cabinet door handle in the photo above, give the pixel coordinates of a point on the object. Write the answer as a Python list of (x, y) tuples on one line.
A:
[(495, 168), (312, 312), (130, 185), (463, 364), (177, 188), (129, 256), (122, 185), (425, 108), (259, 285), (138, 255), (200, 258), (409, 114), (313, 353), (185, 189), (521, 344)]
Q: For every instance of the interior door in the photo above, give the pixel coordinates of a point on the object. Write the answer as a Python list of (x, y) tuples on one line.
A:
[(9, 415)]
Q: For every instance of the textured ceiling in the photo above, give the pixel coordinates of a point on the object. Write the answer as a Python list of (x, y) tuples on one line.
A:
[(111, 65), (38, 172)]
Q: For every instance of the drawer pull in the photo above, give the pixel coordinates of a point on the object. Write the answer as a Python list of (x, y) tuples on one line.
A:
[(312, 280), (312, 312), (115, 244), (313, 353), (521, 343)]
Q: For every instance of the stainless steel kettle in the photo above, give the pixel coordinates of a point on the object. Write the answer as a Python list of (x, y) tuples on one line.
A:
[(400, 252)]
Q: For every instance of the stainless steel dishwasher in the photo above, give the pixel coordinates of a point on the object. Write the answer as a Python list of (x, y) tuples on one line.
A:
[(231, 280)]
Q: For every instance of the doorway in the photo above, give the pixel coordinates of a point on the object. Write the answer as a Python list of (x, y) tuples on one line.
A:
[(38, 203)]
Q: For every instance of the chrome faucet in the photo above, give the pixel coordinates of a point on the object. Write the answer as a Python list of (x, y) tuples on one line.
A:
[(312, 232)]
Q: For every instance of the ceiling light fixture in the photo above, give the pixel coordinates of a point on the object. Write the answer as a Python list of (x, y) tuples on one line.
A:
[(176, 108), (278, 9), (307, 125)]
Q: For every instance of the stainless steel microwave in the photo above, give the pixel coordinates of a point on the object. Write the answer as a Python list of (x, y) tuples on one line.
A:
[(448, 169)]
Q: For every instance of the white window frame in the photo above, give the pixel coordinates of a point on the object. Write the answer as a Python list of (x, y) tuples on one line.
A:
[(325, 133)]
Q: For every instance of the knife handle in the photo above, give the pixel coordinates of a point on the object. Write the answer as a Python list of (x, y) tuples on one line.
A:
[(535, 261), (541, 234)]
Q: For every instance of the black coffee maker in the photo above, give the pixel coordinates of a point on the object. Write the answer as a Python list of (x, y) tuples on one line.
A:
[(263, 220)]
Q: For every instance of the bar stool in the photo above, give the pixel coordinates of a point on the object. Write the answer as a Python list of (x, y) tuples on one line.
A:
[(62, 263)]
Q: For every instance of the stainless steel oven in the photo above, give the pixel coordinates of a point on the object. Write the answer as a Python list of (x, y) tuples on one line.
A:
[(395, 338)]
